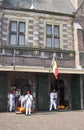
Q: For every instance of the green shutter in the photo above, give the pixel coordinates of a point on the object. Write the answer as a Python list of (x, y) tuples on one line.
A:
[(42, 93), (3, 92), (76, 92)]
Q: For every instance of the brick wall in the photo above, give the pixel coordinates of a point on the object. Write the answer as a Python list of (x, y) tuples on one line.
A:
[(35, 31)]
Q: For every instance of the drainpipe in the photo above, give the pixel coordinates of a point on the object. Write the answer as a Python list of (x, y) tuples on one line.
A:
[(77, 58), (81, 92), (76, 46)]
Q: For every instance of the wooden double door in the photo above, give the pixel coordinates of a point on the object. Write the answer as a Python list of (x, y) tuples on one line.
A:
[(42, 92)]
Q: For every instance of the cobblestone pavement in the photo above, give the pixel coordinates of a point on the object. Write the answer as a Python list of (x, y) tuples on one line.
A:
[(70, 120)]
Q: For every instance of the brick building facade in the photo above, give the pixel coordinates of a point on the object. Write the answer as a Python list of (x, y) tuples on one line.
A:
[(30, 32)]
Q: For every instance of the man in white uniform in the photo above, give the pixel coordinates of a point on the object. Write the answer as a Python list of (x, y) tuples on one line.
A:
[(11, 101), (53, 100), (22, 100), (28, 99)]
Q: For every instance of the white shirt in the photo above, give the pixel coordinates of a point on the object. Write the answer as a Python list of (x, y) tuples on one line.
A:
[(53, 96), (11, 97), (29, 98), (22, 98)]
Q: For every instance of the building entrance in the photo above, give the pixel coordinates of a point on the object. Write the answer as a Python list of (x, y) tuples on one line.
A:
[(21, 84), (58, 85)]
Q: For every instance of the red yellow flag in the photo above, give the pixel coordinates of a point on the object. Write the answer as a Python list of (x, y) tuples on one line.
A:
[(55, 69)]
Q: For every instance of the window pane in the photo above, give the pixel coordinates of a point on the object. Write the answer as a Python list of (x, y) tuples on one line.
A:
[(13, 26), (21, 39), (49, 42), (13, 39), (56, 42), (48, 29), (22, 27), (56, 30)]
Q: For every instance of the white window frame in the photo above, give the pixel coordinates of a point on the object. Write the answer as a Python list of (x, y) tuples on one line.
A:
[(52, 36), (17, 33)]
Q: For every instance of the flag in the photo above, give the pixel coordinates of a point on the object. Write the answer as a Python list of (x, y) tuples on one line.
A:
[(54, 66), (55, 69)]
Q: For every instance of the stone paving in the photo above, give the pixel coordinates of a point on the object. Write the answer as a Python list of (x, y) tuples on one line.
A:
[(68, 120)]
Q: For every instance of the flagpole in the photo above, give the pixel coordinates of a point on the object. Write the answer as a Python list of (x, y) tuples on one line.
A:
[(54, 57), (14, 53)]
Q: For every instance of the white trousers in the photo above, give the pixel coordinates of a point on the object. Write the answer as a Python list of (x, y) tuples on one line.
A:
[(28, 108), (22, 104), (11, 106), (53, 104)]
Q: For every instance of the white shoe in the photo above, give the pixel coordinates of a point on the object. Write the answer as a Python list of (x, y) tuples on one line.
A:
[(29, 114)]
